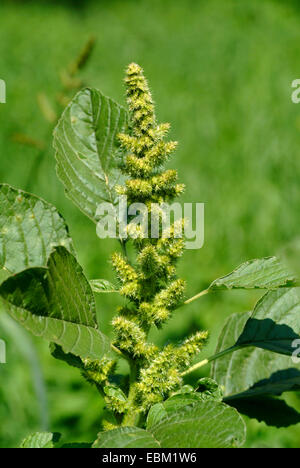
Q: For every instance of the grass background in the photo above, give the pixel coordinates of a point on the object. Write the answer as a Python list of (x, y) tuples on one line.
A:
[(221, 73)]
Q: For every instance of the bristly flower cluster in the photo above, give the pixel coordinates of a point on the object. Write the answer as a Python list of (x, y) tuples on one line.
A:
[(150, 284)]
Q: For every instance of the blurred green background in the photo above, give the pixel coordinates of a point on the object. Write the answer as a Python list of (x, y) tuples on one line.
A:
[(221, 73)]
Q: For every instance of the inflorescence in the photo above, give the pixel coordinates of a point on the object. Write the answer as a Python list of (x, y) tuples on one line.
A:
[(150, 286)]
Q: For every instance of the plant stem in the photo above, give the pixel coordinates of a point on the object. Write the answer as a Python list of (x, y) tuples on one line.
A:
[(212, 358), (124, 249), (200, 294), (117, 350), (130, 419)]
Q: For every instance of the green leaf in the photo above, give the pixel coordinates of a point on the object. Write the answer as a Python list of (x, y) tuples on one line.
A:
[(103, 286), (177, 402), (58, 353), (183, 421), (126, 437), (57, 304), (263, 273), (86, 149), (250, 369), (281, 381), (29, 230), (274, 323), (271, 411), (115, 393), (208, 389), (204, 424), (157, 413), (40, 440), (184, 389)]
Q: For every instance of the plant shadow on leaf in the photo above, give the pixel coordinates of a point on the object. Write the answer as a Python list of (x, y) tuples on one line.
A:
[(279, 382), (272, 411), (267, 334), (258, 402)]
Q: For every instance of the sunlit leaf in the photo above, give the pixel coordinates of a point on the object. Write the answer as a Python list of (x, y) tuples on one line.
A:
[(262, 273), (86, 146), (57, 304), (29, 230)]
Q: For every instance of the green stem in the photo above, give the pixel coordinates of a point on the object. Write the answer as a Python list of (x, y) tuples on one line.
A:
[(200, 294), (210, 359), (130, 418), (117, 350), (123, 246)]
